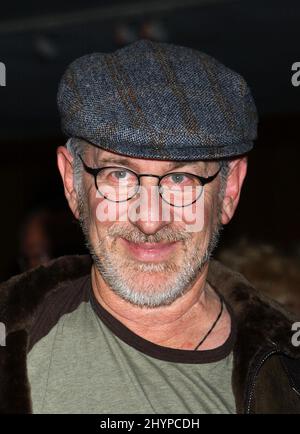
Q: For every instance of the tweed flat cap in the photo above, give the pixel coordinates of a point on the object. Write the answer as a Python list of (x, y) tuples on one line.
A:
[(159, 101)]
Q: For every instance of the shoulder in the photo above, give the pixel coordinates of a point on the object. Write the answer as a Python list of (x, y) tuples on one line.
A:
[(261, 321), (46, 289)]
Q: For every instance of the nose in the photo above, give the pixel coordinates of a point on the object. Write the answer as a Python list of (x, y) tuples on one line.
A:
[(148, 211)]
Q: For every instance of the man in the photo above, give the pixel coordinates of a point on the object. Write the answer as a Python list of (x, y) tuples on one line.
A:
[(154, 167)]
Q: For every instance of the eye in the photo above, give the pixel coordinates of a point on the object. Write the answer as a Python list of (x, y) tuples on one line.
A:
[(120, 174), (175, 180), (116, 176)]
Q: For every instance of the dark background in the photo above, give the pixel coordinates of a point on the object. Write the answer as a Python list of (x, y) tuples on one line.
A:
[(260, 40)]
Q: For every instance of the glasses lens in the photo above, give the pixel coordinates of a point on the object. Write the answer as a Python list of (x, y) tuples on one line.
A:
[(117, 184), (180, 189)]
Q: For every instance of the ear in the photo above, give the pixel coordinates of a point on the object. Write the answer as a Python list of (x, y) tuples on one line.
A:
[(65, 167), (235, 179)]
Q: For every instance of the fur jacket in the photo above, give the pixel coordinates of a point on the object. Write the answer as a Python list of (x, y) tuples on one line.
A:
[(266, 364)]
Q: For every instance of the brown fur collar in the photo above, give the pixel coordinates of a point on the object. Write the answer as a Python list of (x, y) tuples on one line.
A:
[(261, 324)]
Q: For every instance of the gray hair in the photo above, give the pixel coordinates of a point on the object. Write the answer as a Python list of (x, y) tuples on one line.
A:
[(76, 146), (223, 178)]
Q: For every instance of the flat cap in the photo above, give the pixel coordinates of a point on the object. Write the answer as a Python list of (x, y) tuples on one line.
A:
[(159, 101)]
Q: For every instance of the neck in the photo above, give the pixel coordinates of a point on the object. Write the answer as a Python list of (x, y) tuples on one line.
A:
[(179, 325)]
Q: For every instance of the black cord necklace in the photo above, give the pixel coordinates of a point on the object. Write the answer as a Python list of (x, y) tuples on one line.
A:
[(212, 327)]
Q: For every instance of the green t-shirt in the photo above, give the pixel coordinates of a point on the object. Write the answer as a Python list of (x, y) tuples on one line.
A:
[(90, 362)]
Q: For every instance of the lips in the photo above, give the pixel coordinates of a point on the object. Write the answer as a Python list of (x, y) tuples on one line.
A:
[(153, 252)]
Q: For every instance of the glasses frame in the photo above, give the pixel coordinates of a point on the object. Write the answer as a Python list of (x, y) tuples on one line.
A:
[(95, 171)]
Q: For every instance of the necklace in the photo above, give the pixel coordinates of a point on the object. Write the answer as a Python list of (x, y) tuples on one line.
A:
[(213, 326)]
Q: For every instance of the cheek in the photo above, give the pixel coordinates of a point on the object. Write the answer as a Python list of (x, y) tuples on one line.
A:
[(210, 218), (211, 208), (93, 218), (104, 214), (108, 212)]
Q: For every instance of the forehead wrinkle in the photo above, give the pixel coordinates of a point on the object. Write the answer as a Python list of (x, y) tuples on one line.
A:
[(132, 163)]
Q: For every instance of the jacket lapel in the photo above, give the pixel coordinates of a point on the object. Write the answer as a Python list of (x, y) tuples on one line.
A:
[(263, 328), (20, 298)]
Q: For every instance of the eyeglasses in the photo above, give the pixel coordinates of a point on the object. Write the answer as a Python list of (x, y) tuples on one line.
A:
[(119, 184)]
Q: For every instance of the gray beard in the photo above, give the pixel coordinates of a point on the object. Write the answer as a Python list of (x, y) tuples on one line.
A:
[(176, 280)]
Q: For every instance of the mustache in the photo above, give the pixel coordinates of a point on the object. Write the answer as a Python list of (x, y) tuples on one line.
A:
[(135, 236)]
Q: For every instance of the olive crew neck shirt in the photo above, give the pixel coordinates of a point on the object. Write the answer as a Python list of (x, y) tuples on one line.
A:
[(83, 360)]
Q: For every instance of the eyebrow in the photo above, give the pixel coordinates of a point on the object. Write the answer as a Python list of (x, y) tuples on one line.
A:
[(126, 162)]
